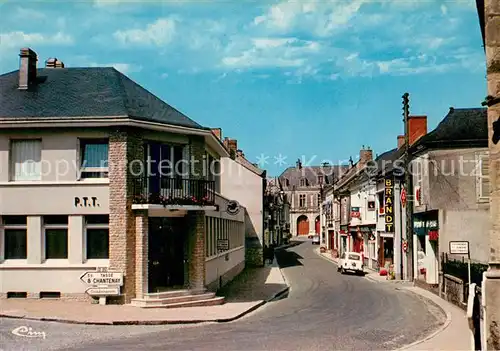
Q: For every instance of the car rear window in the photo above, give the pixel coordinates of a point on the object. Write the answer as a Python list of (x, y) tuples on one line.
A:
[(354, 257)]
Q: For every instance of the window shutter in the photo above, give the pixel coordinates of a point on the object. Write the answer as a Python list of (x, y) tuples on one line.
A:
[(485, 176)]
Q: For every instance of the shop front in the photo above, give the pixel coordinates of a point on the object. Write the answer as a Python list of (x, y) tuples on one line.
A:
[(426, 246)]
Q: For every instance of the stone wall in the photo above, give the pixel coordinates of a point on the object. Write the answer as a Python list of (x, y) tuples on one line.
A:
[(125, 145)]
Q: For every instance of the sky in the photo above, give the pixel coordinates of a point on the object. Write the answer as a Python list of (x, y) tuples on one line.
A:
[(315, 80)]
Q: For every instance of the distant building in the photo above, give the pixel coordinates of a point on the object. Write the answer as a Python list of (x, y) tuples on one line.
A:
[(304, 185)]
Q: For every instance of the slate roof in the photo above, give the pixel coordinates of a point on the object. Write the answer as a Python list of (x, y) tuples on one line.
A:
[(85, 92), (462, 127), (311, 173)]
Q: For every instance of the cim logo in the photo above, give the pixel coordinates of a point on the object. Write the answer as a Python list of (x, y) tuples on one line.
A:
[(28, 332)]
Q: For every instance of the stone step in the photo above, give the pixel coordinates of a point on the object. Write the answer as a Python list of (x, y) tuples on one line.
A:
[(219, 300), (167, 294), (171, 300)]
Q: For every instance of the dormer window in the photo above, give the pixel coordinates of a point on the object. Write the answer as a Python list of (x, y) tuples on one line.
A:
[(320, 179), (304, 182)]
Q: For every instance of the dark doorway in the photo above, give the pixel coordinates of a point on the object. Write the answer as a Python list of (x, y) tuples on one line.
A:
[(167, 237)]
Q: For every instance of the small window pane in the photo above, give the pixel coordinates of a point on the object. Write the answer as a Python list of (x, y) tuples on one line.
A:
[(26, 159), (97, 219), (15, 244), (95, 154), (56, 243), (14, 220), (97, 243), (55, 220)]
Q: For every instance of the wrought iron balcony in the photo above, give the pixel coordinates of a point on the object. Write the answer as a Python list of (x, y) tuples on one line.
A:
[(173, 191)]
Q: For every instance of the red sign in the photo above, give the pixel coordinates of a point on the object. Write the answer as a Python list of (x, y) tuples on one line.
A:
[(433, 235), (403, 197)]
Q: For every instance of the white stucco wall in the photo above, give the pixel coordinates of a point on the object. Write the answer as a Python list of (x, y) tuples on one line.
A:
[(240, 184)]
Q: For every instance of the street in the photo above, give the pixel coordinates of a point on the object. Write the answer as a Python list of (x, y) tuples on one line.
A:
[(324, 310)]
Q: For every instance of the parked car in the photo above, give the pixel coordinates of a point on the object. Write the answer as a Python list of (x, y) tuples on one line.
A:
[(351, 261), (315, 240)]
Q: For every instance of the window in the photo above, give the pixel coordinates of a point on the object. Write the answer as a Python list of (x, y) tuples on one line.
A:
[(56, 236), (26, 158), (97, 236), (483, 176), (15, 237), (303, 182), (94, 158), (320, 179), (212, 167), (302, 200)]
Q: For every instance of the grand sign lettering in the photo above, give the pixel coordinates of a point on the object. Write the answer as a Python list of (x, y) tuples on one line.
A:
[(389, 205)]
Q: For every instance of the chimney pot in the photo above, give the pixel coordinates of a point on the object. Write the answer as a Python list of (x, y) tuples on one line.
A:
[(27, 68), (401, 141), (365, 155)]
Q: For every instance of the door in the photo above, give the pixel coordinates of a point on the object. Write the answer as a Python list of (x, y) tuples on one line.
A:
[(166, 253), (302, 225)]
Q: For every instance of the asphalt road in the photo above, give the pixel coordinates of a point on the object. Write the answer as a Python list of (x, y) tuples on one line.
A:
[(324, 311)]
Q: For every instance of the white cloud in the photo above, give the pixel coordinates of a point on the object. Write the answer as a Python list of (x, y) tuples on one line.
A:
[(160, 32), (124, 68), (20, 39), (272, 52)]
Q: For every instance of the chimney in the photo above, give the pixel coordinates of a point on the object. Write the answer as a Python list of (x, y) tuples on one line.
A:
[(299, 164), (401, 141), (217, 132), (54, 63), (27, 68), (240, 153), (365, 155), (417, 126)]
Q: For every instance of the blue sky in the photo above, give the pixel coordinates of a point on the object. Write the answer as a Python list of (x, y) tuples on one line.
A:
[(314, 80)]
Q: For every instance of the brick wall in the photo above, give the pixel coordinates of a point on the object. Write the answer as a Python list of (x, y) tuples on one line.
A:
[(125, 145), (197, 153), (141, 253), (196, 250)]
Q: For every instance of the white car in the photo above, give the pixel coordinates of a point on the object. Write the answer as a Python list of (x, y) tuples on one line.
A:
[(350, 261), (315, 240)]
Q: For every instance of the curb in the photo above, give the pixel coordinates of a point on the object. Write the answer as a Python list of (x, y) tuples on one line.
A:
[(445, 325), (277, 296)]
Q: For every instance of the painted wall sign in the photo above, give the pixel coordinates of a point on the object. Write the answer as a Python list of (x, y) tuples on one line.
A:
[(86, 201), (459, 247), (233, 207), (389, 205)]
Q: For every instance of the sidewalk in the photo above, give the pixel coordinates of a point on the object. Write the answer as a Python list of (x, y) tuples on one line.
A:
[(251, 289), (454, 334)]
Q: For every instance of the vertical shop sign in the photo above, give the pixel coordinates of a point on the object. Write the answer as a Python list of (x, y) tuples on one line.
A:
[(389, 205)]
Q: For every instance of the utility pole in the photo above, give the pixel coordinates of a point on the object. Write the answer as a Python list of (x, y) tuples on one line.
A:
[(408, 187)]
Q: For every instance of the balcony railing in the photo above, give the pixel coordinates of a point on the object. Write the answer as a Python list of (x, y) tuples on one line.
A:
[(173, 191)]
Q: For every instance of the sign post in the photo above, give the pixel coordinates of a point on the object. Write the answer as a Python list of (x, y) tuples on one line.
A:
[(461, 248), (102, 283)]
